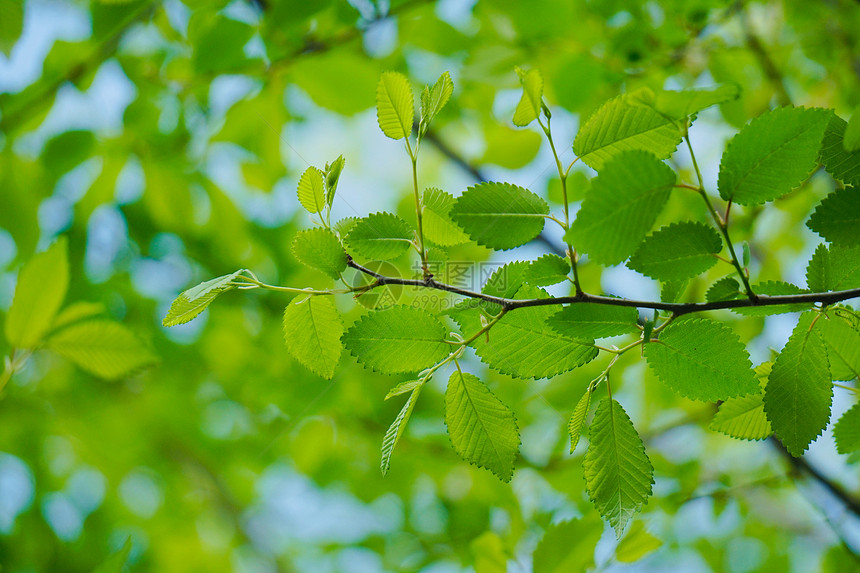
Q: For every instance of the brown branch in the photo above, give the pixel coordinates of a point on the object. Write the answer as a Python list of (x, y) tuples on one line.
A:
[(677, 308), (801, 465)]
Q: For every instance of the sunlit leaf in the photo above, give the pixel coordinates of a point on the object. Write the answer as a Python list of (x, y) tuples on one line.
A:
[(522, 344), (618, 473), (332, 176), (842, 164), (680, 104), (743, 417), (772, 155), (312, 332), (847, 431), (434, 99), (621, 206), (547, 270), (320, 249), (311, 190), (799, 391), (837, 218), (702, 359), (438, 226), (395, 107), (482, 429), (584, 320), (636, 544), (40, 291), (624, 125), (392, 436), (195, 300), (842, 340), (104, 348), (677, 252), (398, 339), (379, 236), (577, 419), (529, 107), (500, 215)]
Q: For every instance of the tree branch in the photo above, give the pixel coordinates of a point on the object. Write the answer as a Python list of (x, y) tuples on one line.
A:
[(677, 308)]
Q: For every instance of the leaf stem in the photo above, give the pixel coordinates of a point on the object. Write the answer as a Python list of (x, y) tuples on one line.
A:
[(843, 386), (413, 155), (562, 175), (254, 283), (721, 223)]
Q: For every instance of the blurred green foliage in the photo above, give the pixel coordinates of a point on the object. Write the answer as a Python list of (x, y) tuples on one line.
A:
[(164, 140)]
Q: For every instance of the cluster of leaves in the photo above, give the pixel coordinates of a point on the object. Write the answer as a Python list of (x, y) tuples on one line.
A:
[(79, 332), (516, 331)]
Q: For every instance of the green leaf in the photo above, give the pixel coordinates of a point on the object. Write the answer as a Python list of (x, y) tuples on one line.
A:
[(433, 100), (677, 252), (547, 270), (774, 288), (344, 226), (703, 360), (672, 291), (40, 291), (618, 473), (772, 155), (380, 236), (116, 562), (588, 321), (727, 288), (621, 206), (506, 280), (500, 215), (835, 268), (846, 432), (568, 546), (483, 430), (843, 165), (395, 430), (311, 190), (622, 125), (395, 107), (332, 176), (403, 388), (678, 105), (320, 249), (312, 332), (218, 47), (577, 419), (438, 226), (799, 392), (837, 218), (488, 553), (528, 109), (76, 312), (851, 139), (521, 344), (743, 417), (636, 544), (842, 340), (397, 340), (818, 269), (11, 24), (101, 347), (195, 300)]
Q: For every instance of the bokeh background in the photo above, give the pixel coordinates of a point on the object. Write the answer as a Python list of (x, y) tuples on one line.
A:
[(165, 140)]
